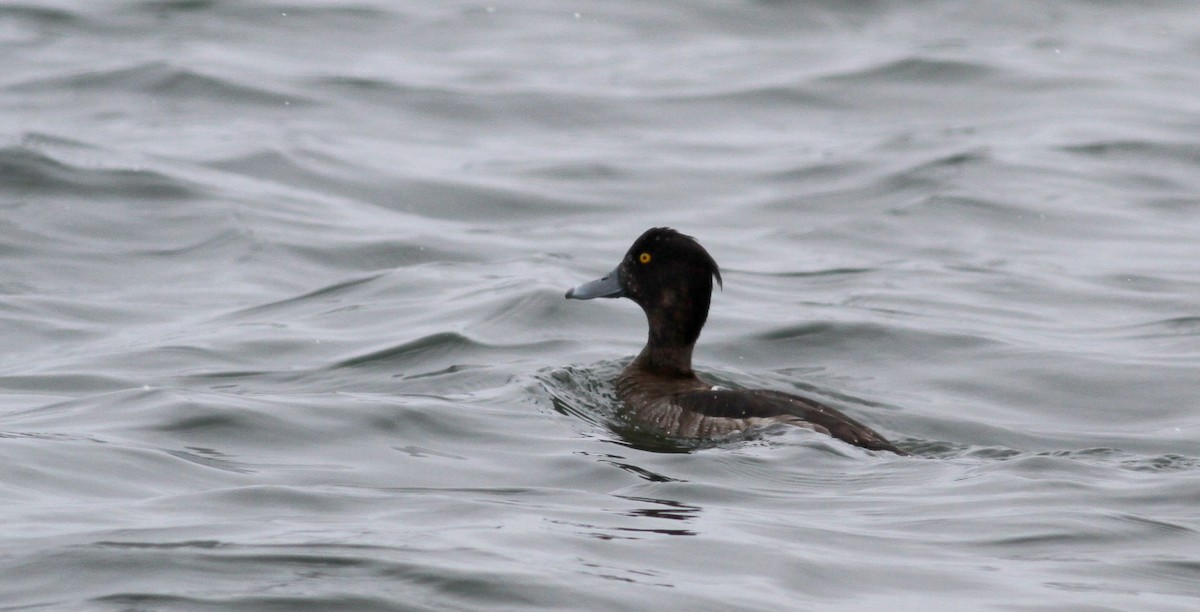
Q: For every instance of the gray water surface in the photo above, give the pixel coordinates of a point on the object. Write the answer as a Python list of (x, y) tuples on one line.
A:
[(282, 315)]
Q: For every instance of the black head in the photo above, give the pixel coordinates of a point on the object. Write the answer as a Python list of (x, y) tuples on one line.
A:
[(670, 276)]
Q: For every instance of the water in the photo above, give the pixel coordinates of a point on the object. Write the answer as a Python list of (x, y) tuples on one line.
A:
[(281, 288)]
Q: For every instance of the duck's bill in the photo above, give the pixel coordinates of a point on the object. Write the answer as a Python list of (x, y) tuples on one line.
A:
[(608, 286)]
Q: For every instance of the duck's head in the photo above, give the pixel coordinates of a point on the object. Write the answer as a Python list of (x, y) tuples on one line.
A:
[(670, 276)]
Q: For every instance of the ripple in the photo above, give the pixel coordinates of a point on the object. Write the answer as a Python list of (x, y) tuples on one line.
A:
[(441, 360), (351, 12), (138, 601), (582, 392), (210, 458), (413, 351), (840, 334), (918, 70), (40, 14), (29, 172), (337, 289), (768, 96), (1162, 463), (163, 80), (424, 197), (1138, 150), (25, 24), (1166, 328)]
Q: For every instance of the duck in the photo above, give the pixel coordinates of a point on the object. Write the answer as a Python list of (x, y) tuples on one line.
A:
[(670, 275)]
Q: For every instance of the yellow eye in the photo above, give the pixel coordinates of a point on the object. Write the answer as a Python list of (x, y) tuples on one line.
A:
[(644, 258)]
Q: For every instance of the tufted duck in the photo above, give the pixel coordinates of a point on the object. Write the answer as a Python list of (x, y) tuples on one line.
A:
[(671, 277)]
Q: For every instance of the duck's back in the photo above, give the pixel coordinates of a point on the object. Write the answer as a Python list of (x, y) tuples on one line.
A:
[(687, 407)]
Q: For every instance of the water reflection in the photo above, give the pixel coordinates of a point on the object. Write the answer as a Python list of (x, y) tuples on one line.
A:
[(674, 510), (620, 462)]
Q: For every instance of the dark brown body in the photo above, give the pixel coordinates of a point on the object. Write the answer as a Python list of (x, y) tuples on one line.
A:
[(686, 406)]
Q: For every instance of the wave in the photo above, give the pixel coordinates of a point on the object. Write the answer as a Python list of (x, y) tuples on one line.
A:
[(1138, 150), (163, 81), (431, 197), (433, 348), (29, 171), (265, 10), (41, 15), (917, 70)]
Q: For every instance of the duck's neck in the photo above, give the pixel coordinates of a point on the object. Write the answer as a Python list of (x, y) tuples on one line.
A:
[(674, 327), (665, 360)]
